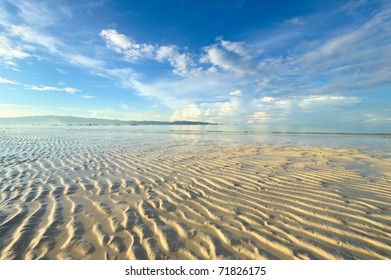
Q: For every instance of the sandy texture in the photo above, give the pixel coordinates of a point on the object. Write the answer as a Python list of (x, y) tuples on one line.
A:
[(75, 198)]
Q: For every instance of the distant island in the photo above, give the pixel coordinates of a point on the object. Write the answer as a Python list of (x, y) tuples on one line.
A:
[(78, 121)]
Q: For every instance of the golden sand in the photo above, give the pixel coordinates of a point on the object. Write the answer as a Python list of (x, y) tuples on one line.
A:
[(64, 199)]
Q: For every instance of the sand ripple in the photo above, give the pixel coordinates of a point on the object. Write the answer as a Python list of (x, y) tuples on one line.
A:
[(87, 198)]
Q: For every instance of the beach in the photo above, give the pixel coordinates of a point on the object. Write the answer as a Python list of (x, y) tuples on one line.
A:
[(70, 194)]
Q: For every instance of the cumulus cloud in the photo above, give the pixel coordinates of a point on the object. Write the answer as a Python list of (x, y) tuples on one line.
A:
[(124, 45), (284, 103), (181, 62), (235, 93), (190, 112), (225, 60), (229, 111), (259, 117), (116, 41), (320, 77), (262, 110), (326, 73), (236, 57), (227, 55), (239, 48), (267, 99)]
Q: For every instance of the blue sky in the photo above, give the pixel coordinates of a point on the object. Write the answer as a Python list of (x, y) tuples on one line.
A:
[(294, 63)]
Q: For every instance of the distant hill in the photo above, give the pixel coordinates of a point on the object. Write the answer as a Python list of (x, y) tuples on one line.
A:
[(76, 121)]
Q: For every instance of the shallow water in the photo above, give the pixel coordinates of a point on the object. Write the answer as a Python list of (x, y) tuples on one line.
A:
[(142, 136), (192, 193)]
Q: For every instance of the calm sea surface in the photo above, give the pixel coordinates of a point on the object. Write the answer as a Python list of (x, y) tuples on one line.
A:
[(144, 136)]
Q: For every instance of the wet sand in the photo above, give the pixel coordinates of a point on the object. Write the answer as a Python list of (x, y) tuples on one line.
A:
[(90, 198)]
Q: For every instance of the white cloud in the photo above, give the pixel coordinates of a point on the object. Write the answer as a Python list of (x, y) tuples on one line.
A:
[(284, 103), (10, 63), (352, 6), (225, 60), (362, 48), (327, 100), (182, 63), (295, 21), (262, 110), (9, 52), (236, 57), (235, 93), (124, 77), (34, 13), (87, 96), (116, 41), (123, 45), (49, 88), (61, 71), (320, 77), (230, 111), (55, 46), (190, 112), (67, 11), (377, 118), (84, 61), (178, 93), (239, 48), (6, 81), (267, 99), (26, 32), (31, 35), (259, 117), (70, 90), (329, 72)]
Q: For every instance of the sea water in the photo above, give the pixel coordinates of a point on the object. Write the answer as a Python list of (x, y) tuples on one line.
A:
[(160, 135)]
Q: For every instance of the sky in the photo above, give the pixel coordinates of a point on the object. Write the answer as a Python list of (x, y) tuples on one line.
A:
[(324, 64)]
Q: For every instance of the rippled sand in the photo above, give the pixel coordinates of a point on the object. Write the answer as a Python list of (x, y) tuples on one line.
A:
[(91, 198)]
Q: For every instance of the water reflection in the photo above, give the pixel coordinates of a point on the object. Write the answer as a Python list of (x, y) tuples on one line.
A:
[(159, 135)]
